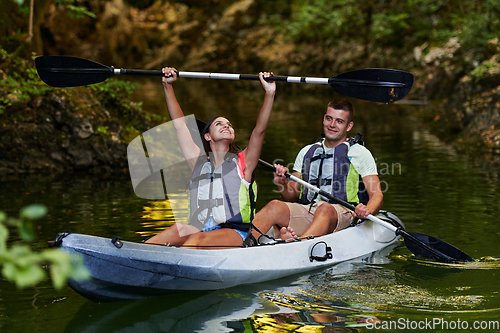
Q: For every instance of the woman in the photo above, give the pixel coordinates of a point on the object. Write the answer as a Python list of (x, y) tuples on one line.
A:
[(222, 190)]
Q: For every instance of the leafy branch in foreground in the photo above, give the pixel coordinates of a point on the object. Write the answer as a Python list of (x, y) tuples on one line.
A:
[(23, 266)]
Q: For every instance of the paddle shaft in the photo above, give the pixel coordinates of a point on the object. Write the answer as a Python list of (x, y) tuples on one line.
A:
[(331, 197), (347, 205), (227, 76)]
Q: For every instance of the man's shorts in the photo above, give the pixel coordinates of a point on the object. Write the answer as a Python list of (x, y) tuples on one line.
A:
[(301, 216)]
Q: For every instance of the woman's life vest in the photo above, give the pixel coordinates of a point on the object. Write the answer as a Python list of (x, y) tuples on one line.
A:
[(333, 173), (221, 194)]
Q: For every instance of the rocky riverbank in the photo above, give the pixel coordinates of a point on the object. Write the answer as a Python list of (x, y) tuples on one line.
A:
[(68, 130), (469, 114)]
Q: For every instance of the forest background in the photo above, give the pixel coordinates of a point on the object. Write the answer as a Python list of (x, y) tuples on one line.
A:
[(451, 47)]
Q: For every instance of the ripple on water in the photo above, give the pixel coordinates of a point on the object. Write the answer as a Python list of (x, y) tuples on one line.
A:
[(372, 289)]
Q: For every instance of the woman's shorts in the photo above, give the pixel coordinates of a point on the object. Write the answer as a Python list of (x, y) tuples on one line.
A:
[(242, 234)]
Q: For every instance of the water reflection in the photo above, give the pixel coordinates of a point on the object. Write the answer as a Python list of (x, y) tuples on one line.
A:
[(260, 306), (158, 215)]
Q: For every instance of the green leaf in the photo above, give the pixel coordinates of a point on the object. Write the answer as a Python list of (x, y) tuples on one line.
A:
[(3, 216), (64, 266), (33, 212), (4, 235), (55, 255), (79, 272), (23, 276), (26, 231), (23, 256), (9, 271), (59, 273), (20, 265), (19, 251), (19, 2)]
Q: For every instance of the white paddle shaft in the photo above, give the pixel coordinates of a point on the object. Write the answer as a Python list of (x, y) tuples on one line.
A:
[(369, 217), (227, 76)]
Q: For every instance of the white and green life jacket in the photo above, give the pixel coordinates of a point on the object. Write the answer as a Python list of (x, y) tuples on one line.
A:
[(332, 173), (221, 193)]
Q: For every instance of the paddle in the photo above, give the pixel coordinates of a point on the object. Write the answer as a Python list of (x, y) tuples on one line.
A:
[(373, 84), (419, 244)]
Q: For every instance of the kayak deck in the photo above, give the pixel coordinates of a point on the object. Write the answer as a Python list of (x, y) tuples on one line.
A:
[(138, 270)]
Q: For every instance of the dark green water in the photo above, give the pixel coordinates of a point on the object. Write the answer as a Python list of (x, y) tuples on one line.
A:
[(427, 184)]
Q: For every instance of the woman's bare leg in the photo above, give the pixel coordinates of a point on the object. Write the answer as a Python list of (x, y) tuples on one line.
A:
[(172, 235), (275, 213)]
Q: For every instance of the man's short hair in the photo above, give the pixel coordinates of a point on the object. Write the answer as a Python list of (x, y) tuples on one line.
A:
[(342, 104)]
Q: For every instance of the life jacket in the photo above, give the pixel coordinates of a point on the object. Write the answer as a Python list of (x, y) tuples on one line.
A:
[(221, 193), (332, 173)]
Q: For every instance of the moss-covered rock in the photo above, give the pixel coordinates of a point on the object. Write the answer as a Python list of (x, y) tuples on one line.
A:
[(469, 114), (54, 130)]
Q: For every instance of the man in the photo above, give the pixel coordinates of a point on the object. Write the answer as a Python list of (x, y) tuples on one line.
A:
[(335, 165)]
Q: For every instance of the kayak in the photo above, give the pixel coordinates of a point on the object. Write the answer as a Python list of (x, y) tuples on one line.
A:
[(123, 270)]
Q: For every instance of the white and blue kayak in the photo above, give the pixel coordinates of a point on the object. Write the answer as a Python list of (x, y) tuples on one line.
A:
[(123, 270)]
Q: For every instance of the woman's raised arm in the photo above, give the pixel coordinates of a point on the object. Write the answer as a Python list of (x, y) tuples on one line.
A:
[(189, 149), (252, 151)]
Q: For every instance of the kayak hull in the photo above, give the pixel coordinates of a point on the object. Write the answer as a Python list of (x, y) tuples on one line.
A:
[(138, 270)]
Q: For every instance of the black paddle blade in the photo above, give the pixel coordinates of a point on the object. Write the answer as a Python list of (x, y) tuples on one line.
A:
[(64, 71), (373, 84), (432, 248)]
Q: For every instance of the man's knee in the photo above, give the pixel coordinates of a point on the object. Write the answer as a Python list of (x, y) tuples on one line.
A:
[(273, 209), (326, 210), (275, 205)]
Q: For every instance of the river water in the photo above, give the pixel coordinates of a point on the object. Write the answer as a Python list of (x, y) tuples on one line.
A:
[(430, 187)]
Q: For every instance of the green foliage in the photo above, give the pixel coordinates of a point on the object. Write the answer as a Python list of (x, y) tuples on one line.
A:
[(21, 89), (15, 21), (387, 25), (479, 71), (114, 94), (323, 20), (114, 89), (391, 24), (76, 11), (101, 130), (20, 84), (22, 266), (481, 25)]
